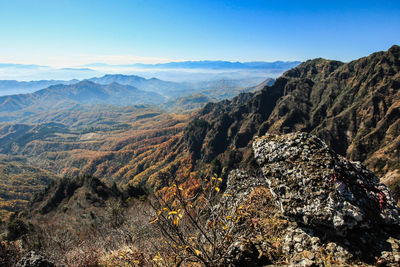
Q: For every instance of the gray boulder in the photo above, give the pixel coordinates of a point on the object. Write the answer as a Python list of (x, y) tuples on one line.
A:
[(340, 210), (315, 187)]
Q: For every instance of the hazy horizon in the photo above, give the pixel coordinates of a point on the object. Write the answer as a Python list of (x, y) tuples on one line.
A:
[(35, 72)]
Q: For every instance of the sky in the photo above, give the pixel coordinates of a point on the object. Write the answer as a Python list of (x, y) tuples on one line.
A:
[(77, 32)]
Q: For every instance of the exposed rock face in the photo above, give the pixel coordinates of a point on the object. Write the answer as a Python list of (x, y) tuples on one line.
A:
[(316, 187), (32, 259), (337, 209)]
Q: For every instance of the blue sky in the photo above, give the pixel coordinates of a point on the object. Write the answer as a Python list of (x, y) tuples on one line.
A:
[(73, 32)]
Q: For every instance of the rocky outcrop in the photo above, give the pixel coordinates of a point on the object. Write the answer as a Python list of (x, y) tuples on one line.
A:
[(337, 211), (316, 187), (338, 206), (32, 259)]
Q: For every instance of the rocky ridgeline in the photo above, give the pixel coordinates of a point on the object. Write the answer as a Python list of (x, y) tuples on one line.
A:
[(336, 208)]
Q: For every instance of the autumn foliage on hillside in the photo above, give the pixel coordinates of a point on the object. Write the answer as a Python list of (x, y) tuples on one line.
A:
[(137, 149), (18, 183)]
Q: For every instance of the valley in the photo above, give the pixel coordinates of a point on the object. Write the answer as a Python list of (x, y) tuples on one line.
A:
[(115, 144)]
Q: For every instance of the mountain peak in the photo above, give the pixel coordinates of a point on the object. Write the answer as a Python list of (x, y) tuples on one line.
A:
[(313, 67), (85, 82), (395, 49)]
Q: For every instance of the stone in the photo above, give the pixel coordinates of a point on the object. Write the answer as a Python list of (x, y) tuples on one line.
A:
[(339, 206), (353, 197), (32, 259)]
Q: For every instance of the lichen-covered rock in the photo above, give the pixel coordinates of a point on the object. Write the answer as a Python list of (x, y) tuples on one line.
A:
[(341, 212), (32, 259), (316, 187), (239, 184)]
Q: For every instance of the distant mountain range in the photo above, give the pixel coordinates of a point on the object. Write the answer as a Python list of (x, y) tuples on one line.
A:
[(166, 88), (186, 71), (84, 92), (10, 87), (201, 64), (118, 90), (21, 66), (209, 64)]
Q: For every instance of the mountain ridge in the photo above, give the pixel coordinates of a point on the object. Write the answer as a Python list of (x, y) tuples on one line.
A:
[(348, 105)]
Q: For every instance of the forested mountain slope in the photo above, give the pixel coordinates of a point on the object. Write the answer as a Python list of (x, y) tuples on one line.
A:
[(354, 107)]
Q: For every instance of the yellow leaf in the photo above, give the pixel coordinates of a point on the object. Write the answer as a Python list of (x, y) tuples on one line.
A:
[(176, 221), (153, 220), (220, 179), (157, 257), (217, 189), (197, 252)]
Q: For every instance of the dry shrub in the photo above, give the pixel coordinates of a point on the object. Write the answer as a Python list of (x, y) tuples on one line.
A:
[(84, 255), (195, 232), (124, 256), (74, 241), (266, 224)]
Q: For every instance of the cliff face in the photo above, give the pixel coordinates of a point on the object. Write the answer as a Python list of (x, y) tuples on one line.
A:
[(329, 210), (353, 107)]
